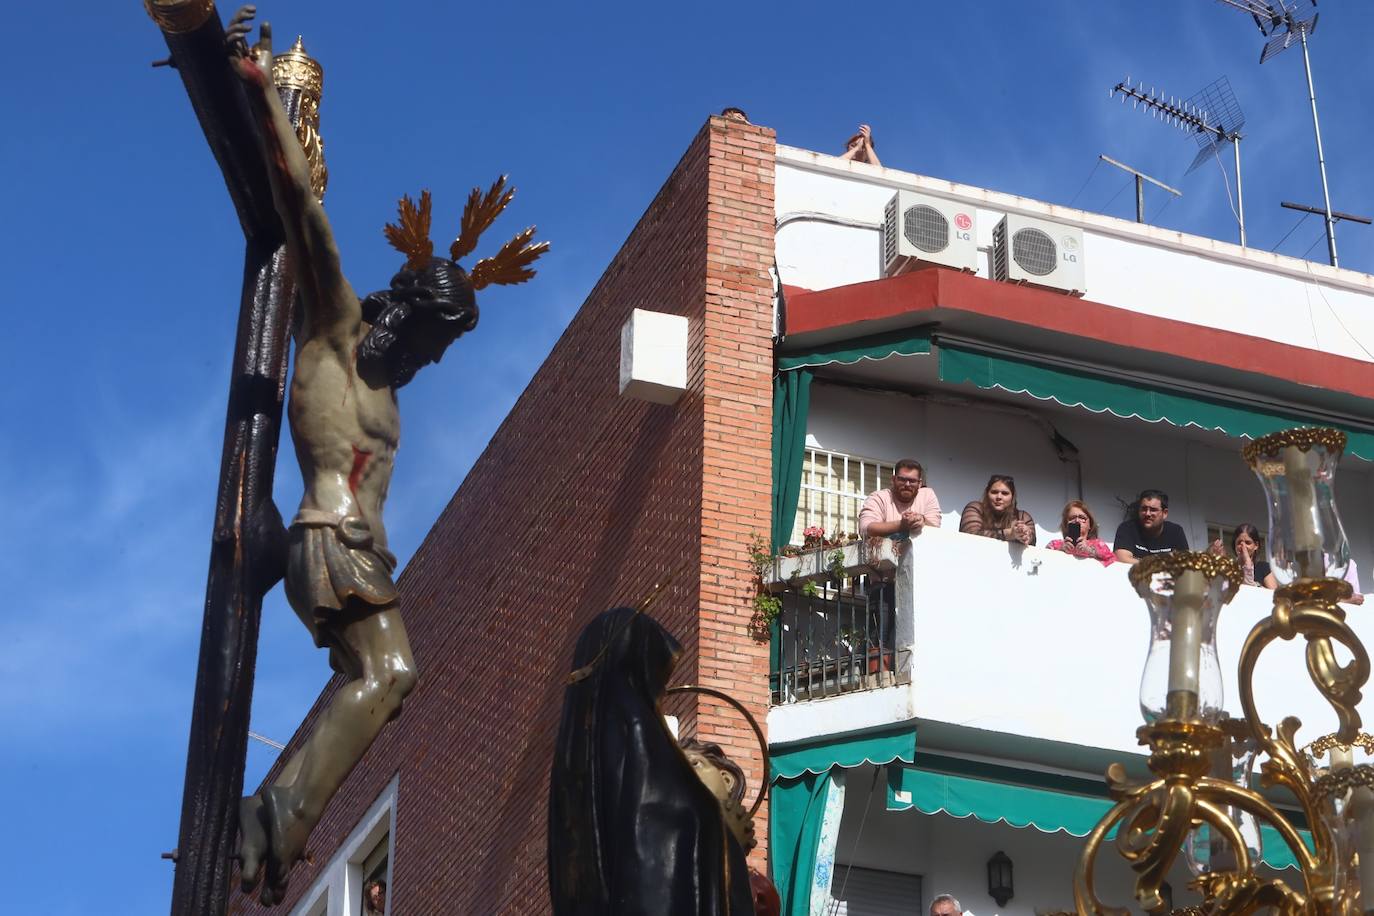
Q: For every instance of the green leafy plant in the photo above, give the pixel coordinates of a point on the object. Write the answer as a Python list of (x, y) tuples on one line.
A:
[(836, 564), (760, 556), (767, 606)]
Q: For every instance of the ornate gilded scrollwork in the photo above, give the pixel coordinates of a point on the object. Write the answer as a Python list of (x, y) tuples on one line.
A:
[(1307, 607), (1209, 564), (1305, 438), (1363, 740), (1153, 819)]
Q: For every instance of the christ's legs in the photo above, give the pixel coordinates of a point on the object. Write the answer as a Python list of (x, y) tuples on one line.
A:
[(376, 652)]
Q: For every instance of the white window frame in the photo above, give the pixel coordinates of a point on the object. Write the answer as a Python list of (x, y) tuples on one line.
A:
[(316, 903), (338, 891)]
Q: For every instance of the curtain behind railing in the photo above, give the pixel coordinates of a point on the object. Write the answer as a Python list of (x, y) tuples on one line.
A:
[(791, 401)]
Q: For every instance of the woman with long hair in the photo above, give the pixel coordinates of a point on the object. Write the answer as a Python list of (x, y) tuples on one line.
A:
[(1079, 535), (996, 515), (1245, 542)]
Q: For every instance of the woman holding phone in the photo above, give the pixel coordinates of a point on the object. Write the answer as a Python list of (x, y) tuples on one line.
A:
[(1079, 530)]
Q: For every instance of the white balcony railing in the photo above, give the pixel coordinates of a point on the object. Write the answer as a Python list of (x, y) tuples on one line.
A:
[(1029, 642)]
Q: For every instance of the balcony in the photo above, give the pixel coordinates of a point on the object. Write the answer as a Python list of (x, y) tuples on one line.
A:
[(1014, 643), (837, 629)]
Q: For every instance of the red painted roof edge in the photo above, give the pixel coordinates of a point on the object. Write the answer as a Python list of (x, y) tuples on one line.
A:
[(935, 287)]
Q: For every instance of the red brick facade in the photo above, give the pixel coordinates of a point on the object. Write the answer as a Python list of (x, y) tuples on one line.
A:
[(494, 598)]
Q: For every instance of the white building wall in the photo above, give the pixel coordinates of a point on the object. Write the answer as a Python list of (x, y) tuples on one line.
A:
[(1031, 643), (1027, 631), (1142, 268)]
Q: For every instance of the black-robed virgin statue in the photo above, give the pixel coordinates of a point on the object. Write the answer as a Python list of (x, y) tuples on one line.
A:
[(632, 828)]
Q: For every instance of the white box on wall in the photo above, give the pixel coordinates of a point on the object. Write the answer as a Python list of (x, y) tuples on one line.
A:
[(653, 357)]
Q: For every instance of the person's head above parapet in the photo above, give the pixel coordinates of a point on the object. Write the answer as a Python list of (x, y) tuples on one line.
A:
[(945, 905)]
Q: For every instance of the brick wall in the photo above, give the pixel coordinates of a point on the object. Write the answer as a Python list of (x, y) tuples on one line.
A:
[(737, 485), (581, 501)]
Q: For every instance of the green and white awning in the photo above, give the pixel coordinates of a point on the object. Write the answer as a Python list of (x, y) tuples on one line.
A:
[(1130, 400), (873, 347), (805, 803), (1095, 392), (1048, 810), (820, 757)]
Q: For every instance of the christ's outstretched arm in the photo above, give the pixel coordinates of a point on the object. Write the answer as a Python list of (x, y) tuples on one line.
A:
[(331, 308)]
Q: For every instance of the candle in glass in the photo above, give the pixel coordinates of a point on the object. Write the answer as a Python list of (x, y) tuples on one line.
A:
[(1185, 644), (1184, 593), (1307, 539), (1359, 814), (1297, 468)]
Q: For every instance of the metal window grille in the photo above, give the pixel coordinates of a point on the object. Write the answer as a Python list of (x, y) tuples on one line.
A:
[(836, 640), (833, 489)]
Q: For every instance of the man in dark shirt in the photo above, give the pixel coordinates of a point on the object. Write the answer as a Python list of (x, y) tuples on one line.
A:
[(1150, 531)]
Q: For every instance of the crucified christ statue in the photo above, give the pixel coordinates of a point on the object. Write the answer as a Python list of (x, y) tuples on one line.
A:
[(351, 356)]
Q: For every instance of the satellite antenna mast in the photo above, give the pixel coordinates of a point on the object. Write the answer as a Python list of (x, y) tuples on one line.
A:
[(1212, 116), (1278, 21), (1140, 179)]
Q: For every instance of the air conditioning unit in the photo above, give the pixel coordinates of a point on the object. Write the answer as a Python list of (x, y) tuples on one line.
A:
[(920, 230), (1038, 253)]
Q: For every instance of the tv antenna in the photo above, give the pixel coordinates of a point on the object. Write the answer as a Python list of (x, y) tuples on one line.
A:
[(1278, 21), (1140, 179), (1212, 116)]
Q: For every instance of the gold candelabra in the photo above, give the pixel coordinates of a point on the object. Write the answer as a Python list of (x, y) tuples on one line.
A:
[(1195, 786)]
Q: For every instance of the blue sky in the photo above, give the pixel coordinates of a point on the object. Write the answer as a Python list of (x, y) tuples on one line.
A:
[(122, 266)]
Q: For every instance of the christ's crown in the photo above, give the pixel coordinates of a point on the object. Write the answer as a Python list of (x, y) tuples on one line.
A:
[(509, 265)]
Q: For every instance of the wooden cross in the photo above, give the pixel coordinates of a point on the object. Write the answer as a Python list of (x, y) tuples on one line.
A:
[(245, 546)]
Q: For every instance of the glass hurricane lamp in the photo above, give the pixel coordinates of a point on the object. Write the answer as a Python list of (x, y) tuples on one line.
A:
[(1297, 469), (1184, 593)]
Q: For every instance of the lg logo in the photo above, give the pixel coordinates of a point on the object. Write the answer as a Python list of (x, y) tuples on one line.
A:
[(962, 224)]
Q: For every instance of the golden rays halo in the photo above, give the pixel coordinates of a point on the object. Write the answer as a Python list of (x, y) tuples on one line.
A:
[(511, 264)]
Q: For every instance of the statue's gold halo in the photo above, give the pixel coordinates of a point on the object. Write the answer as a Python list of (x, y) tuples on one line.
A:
[(753, 723)]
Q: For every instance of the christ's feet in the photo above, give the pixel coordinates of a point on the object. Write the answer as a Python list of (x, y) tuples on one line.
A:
[(252, 841), (286, 836), (271, 840)]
